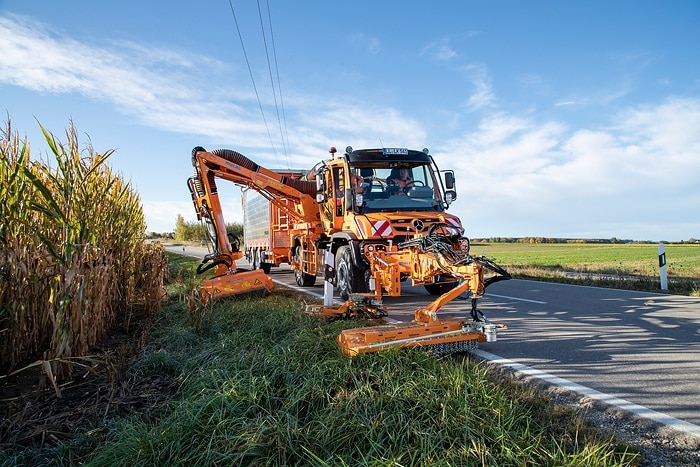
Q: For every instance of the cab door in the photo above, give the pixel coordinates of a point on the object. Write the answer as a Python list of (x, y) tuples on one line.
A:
[(339, 184)]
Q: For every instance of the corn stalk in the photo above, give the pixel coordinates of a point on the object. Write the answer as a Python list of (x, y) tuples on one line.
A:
[(73, 253)]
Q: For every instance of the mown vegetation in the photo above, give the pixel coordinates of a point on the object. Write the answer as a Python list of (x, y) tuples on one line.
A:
[(262, 383)]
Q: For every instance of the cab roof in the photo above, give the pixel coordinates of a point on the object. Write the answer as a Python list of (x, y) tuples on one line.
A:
[(398, 155)]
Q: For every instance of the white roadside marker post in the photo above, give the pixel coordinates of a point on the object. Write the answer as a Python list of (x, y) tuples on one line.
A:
[(662, 267), (328, 275)]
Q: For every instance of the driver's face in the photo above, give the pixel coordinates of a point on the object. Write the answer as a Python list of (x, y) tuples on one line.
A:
[(404, 174)]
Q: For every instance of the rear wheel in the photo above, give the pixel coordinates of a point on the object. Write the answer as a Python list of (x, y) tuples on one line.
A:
[(235, 242), (302, 278), (349, 278)]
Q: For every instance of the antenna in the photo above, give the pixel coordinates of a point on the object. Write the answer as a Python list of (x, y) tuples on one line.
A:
[(380, 142)]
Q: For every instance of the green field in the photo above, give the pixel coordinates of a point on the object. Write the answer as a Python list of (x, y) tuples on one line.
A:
[(683, 260)]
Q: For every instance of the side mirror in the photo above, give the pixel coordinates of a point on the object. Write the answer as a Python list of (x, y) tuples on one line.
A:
[(320, 189), (449, 180)]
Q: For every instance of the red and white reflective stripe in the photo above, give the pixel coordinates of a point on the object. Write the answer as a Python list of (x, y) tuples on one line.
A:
[(361, 228), (381, 228), (453, 221)]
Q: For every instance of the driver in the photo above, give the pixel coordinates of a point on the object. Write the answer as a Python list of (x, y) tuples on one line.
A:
[(402, 178)]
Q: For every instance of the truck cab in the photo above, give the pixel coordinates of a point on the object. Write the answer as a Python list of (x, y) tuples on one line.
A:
[(373, 200)]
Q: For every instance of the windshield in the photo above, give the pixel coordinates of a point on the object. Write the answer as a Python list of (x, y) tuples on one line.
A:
[(398, 188)]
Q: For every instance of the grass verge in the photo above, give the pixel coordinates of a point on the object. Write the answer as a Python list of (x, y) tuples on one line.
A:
[(261, 383)]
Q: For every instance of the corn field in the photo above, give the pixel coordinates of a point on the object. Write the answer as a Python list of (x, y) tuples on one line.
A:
[(73, 259)]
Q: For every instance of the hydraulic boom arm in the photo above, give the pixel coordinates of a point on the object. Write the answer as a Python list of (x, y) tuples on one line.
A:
[(234, 167)]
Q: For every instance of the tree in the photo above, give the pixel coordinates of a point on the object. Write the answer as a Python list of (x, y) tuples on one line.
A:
[(180, 228)]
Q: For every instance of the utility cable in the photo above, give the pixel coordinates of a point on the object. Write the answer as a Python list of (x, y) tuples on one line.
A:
[(269, 69), (285, 136), (250, 71)]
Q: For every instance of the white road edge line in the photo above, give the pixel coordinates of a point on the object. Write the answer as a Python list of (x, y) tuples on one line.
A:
[(300, 289), (631, 407), (516, 298)]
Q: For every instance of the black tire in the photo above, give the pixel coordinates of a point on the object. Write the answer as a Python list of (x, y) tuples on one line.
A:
[(256, 259), (349, 278), (302, 278), (235, 242), (439, 289)]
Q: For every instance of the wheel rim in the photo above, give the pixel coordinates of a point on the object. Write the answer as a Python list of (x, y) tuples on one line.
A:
[(297, 259), (342, 278)]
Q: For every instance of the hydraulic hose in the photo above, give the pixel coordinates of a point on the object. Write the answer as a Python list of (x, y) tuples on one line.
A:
[(236, 157)]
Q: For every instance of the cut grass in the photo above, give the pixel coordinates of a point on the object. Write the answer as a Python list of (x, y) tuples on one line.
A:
[(262, 383)]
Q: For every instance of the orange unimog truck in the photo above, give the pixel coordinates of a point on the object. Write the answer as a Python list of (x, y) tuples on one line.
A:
[(366, 217), (380, 231), (361, 214)]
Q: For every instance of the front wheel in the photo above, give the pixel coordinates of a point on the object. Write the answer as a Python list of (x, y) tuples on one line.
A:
[(349, 278), (439, 289)]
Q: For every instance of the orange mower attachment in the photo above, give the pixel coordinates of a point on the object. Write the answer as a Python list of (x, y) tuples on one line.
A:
[(238, 283), (445, 337), (229, 280), (357, 306), (426, 330)]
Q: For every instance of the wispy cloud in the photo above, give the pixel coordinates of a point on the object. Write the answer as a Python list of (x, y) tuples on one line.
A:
[(134, 80), (483, 94), (522, 171), (439, 50), (130, 78), (368, 43)]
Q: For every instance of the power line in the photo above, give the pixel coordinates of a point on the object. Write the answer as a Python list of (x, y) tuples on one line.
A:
[(269, 68), (250, 71)]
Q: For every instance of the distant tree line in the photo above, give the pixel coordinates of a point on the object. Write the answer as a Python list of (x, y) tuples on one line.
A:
[(196, 231)]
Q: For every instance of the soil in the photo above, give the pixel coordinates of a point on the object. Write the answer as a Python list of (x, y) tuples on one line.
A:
[(35, 415)]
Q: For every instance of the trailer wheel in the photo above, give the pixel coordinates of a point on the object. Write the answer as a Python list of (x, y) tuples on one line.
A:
[(235, 242), (303, 279), (349, 278)]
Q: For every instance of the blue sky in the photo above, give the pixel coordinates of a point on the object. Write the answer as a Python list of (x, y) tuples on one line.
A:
[(560, 118)]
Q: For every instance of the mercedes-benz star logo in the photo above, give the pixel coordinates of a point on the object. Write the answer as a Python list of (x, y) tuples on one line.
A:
[(418, 225)]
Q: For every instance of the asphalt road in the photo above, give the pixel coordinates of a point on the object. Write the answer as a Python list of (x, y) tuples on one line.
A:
[(637, 350)]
